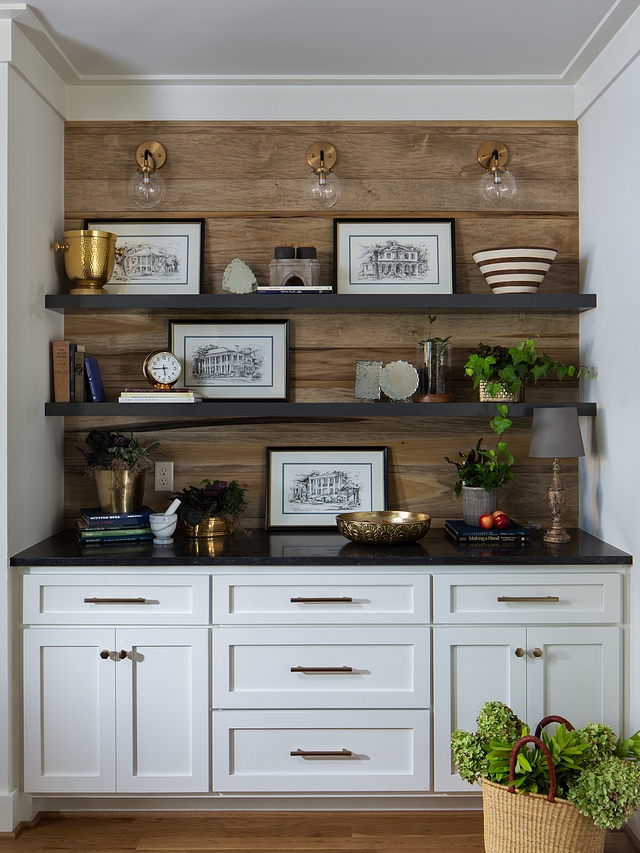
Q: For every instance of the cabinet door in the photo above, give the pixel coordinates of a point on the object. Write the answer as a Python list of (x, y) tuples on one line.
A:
[(472, 666), (576, 673), (163, 710), (69, 699)]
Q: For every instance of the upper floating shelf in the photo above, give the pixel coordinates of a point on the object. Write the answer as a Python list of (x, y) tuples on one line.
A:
[(329, 303)]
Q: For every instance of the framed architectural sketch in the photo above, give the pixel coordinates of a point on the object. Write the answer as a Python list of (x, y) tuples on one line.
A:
[(230, 360), (159, 257), (309, 486), (394, 255)]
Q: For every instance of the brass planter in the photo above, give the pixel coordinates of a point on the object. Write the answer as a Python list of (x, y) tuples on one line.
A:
[(89, 259), (206, 529), (120, 491)]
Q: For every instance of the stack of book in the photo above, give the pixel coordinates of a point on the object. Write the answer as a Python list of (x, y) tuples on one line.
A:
[(155, 395), (76, 375), (99, 528), (513, 536)]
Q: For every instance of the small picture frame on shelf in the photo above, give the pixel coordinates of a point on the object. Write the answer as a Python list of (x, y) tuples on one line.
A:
[(309, 486), (233, 360), (390, 256), (160, 257)]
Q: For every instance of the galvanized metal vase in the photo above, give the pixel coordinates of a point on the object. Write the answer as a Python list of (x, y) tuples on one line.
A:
[(477, 501)]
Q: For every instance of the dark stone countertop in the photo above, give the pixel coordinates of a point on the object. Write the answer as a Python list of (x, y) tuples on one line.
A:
[(317, 548)]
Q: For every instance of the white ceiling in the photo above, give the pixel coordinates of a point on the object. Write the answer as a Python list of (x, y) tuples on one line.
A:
[(361, 41)]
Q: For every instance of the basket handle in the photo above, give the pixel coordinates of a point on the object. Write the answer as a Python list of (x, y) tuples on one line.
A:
[(553, 719), (514, 757)]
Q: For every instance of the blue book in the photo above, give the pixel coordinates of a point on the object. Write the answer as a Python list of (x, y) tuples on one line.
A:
[(467, 534), (94, 379), (95, 517)]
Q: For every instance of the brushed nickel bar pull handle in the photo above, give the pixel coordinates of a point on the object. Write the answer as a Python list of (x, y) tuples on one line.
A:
[(303, 753), (344, 600), (313, 669), (116, 601), (542, 598)]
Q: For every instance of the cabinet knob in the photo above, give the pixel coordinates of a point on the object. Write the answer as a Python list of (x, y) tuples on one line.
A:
[(537, 653), (123, 654), (105, 654), (519, 652)]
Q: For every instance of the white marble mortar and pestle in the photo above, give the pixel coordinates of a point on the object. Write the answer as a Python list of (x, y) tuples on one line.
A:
[(163, 524)]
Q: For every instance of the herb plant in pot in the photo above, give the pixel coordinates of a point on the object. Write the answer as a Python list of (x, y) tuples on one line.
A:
[(211, 509), (501, 373), (557, 792), (482, 472), (118, 463)]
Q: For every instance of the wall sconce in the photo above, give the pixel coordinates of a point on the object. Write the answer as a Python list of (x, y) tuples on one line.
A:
[(322, 189), (555, 434), (498, 187), (147, 187)]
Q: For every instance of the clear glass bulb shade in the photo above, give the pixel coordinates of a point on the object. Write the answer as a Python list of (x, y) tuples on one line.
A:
[(147, 190), (322, 190), (498, 189)]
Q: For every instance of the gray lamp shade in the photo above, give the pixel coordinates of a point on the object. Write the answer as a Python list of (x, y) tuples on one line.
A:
[(556, 433)]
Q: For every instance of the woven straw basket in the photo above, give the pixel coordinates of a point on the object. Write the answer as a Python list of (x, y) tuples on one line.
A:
[(533, 823)]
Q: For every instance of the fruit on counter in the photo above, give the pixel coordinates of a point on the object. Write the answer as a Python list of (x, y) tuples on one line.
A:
[(501, 521), (486, 521)]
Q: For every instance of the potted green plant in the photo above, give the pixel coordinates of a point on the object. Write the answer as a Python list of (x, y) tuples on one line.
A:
[(503, 372), (118, 463), (211, 509), (481, 472), (589, 772)]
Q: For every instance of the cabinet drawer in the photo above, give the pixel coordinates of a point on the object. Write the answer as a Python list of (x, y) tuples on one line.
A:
[(532, 598), (367, 751), (276, 667), (313, 599), (115, 600)]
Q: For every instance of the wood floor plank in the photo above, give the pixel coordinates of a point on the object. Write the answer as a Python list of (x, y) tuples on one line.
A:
[(263, 832)]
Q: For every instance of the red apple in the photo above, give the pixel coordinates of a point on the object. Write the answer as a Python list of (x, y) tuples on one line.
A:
[(486, 521), (501, 521), (498, 512)]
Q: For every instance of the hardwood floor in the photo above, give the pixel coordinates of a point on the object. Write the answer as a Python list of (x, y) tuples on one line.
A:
[(264, 832)]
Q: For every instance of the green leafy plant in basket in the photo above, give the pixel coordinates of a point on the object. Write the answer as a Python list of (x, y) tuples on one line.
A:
[(509, 368), (595, 770), (486, 468)]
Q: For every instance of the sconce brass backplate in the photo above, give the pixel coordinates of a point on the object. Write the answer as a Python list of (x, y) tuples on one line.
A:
[(314, 155), (158, 154), (485, 154)]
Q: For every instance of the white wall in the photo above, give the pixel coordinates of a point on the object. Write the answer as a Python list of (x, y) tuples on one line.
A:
[(610, 267)]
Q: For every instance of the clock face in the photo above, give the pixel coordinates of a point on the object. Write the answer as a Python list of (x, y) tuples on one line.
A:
[(162, 369)]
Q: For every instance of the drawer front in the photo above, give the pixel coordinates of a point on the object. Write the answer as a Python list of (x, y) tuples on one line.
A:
[(309, 599), (115, 600), (301, 751), (281, 667), (533, 598)]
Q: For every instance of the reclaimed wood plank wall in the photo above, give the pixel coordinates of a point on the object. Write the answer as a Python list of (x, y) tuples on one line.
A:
[(245, 180)]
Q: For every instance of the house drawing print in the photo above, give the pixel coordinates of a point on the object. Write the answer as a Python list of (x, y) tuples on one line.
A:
[(330, 489), (218, 364), (159, 260), (393, 261)]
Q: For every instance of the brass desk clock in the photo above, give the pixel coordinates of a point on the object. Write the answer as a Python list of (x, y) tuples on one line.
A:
[(161, 369)]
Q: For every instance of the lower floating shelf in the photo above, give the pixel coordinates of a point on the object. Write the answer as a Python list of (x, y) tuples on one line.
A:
[(256, 410)]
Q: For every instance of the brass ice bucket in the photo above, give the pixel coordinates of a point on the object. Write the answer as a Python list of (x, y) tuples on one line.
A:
[(89, 259)]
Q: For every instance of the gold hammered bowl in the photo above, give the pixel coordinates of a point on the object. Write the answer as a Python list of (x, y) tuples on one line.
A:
[(385, 527)]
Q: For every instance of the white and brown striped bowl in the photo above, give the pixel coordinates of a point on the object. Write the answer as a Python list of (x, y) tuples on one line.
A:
[(514, 270)]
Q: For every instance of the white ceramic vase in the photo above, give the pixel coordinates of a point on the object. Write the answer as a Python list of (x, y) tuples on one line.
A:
[(477, 501)]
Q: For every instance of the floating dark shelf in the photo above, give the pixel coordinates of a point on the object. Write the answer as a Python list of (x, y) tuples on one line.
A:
[(257, 411), (329, 303)]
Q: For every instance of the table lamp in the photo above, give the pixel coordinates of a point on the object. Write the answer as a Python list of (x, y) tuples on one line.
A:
[(555, 434)]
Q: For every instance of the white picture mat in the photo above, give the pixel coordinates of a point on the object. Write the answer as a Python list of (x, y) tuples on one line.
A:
[(361, 471), (233, 361), (367, 260), (161, 257)]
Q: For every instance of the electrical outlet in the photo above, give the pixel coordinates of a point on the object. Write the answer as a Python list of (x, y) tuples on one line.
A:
[(164, 476)]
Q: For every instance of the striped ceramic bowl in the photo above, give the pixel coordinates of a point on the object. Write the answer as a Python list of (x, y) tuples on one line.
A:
[(514, 270)]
